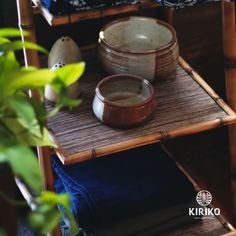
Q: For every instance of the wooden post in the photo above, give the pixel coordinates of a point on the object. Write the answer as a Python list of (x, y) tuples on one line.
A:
[(25, 16), (229, 41), (169, 15), (25, 21)]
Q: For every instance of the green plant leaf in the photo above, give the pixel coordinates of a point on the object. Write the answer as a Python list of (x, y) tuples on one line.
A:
[(58, 86), (40, 112), (21, 119), (3, 158), (24, 164), (35, 137), (4, 40), (6, 136), (44, 219), (2, 232), (36, 221), (68, 102), (53, 218), (22, 124), (8, 64), (64, 101), (22, 109), (48, 202), (12, 32), (54, 111), (70, 73), (52, 199), (74, 230), (18, 45), (24, 79)]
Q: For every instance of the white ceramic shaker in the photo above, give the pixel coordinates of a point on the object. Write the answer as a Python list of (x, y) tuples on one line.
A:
[(64, 51)]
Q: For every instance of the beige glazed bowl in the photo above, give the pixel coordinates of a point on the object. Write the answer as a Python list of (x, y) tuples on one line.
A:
[(138, 45), (124, 101)]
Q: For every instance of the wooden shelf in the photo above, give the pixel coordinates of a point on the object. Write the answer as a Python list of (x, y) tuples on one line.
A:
[(91, 14), (185, 105), (204, 227)]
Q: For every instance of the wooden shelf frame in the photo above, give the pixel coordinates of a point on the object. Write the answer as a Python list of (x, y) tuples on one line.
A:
[(26, 22), (53, 20), (140, 136)]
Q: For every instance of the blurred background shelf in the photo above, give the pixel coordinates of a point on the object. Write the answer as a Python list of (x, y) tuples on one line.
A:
[(55, 20)]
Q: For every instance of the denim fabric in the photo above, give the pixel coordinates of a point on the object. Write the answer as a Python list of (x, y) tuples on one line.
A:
[(65, 229), (176, 4), (122, 185), (60, 7)]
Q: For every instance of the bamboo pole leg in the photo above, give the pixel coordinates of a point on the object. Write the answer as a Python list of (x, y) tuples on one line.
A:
[(25, 16), (169, 15), (25, 22), (229, 41)]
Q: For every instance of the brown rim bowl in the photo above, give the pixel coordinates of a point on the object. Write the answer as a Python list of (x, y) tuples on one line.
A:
[(124, 101), (142, 46)]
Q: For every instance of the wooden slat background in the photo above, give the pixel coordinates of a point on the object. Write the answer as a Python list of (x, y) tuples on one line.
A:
[(180, 102)]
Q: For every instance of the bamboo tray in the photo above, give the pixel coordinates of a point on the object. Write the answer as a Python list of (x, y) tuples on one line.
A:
[(91, 14), (185, 105)]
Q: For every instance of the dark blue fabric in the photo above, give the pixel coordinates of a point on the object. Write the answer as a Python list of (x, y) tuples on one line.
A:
[(176, 4), (106, 189), (61, 7)]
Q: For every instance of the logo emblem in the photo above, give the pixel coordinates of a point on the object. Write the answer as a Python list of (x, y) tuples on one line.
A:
[(204, 198)]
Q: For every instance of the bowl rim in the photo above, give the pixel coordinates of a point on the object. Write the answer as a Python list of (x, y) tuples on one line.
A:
[(130, 76), (115, 48)]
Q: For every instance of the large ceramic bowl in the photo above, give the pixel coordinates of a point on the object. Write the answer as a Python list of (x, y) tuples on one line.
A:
[(138, 45), (124, 101)]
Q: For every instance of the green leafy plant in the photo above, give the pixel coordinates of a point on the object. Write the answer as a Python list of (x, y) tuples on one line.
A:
[(22, 122)]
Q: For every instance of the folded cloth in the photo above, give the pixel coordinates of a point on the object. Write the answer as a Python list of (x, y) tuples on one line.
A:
[(118, 186), (176, 4), (148, 224), (151, 223), (61, 7)]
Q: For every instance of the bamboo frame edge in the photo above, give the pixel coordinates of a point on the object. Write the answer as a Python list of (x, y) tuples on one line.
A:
[(219, 101), (86, 15), (220, 218), (145, 140)]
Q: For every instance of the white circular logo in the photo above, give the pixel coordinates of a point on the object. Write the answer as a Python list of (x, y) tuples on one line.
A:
[(204, 198)]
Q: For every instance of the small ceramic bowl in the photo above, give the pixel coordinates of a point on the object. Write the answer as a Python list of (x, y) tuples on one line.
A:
[(138, 45), (124, 101)]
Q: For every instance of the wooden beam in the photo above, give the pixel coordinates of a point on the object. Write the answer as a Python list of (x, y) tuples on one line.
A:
[(229, 42)]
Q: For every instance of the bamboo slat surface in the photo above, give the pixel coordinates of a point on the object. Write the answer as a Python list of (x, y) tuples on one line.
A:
[(91, 14), (183, 107)]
